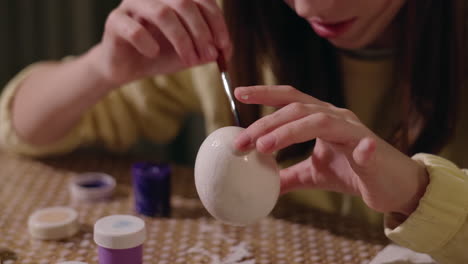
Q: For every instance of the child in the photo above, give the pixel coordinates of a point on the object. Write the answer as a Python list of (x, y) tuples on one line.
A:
[(396, 65)]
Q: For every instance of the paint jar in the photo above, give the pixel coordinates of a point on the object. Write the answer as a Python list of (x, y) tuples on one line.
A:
[(152, 188), (120, 239), (91, 187)]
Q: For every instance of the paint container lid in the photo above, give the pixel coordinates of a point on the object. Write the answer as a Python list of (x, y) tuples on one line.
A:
[(53, 223), (119, 232), (92, 186)]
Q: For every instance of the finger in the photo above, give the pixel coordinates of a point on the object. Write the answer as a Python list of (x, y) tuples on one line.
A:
[(277, 96), (281, 95), (363, 159), (214, 16), (126, 28), (319, 125), (165, 19), (192, 18), (296, 177), (364, 152), (270, 122)]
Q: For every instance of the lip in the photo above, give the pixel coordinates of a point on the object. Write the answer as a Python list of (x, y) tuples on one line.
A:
[(331, 29)]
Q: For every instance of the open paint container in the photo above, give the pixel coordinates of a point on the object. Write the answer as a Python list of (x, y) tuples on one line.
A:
[(92, 186)]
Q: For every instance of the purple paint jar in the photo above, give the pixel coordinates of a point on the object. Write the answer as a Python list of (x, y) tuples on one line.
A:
[(120, 239), (152, 188)]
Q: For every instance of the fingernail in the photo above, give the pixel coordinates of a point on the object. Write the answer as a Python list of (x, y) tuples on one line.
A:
[(242, 92), (266, 142), (243, 141), (211, 52)]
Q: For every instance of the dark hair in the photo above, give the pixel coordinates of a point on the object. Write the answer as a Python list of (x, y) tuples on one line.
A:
[(429, 67)]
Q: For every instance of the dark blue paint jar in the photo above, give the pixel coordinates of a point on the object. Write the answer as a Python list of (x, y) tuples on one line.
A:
[(152, 188)]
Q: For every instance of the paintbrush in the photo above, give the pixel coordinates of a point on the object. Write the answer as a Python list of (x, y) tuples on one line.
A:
[(222, 65)]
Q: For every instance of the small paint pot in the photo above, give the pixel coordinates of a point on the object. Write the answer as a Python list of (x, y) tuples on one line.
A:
[(152, 188), (53, 223), (120, 239), (92, 186)]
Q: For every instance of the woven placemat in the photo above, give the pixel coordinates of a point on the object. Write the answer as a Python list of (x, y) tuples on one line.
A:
[(291, 235)]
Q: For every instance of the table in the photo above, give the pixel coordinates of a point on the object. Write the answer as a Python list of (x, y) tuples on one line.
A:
[(290, 235)]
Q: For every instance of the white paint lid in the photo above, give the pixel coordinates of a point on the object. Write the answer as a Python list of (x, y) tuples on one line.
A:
[(92, 186), (119, 232), (53, 223)]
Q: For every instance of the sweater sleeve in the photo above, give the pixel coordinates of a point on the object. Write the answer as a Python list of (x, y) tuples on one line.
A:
[(439, 225), (153, 108)]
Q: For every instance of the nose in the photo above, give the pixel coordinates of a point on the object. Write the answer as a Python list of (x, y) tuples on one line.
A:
[(317, 8)]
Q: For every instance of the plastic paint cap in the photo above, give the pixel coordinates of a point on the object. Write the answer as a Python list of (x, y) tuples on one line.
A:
[(53, 223), (119, 232)]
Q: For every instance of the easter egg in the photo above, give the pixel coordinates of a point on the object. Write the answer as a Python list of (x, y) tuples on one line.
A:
[(238, 188)]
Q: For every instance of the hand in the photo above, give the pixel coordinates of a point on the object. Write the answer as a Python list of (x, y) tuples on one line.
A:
[(150, 37), (347, 156)]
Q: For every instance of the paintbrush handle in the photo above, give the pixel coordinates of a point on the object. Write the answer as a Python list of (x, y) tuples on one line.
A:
[(222, 65)]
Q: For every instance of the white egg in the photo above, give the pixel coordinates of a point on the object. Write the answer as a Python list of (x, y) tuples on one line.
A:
[(235, 187)]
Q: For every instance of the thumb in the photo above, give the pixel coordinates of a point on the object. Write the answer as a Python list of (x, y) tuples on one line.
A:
[(296, 177)]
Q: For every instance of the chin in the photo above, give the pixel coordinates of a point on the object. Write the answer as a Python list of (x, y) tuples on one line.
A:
[(350, 44)]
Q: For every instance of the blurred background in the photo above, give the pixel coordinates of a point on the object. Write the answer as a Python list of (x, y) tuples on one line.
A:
[(33, 30)]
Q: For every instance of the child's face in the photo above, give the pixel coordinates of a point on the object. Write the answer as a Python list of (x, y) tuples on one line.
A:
[(348, 24)]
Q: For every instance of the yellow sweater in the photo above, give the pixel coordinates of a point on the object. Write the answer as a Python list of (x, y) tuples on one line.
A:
[(154, 108)]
